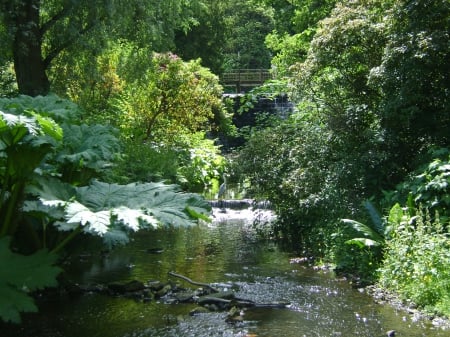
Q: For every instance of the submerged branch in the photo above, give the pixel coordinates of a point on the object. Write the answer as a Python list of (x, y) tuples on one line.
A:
[(187, 279)]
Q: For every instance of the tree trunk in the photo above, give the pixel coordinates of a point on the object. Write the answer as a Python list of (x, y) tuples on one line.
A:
[(29, 65)]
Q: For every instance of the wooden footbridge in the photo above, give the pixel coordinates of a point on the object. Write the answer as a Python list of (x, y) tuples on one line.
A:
[(245, 78)]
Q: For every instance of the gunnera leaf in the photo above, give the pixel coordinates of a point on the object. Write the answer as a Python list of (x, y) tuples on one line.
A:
[(60, 110), (20, 275), (113, 210)]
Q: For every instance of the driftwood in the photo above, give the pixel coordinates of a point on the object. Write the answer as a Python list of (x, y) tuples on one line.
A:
[(200, 284), (226, 299), (224, 302)]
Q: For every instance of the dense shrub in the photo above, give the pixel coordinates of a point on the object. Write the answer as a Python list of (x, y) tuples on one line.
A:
[(417, 260)]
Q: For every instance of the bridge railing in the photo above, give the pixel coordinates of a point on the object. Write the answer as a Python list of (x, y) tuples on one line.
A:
[(246, 76)]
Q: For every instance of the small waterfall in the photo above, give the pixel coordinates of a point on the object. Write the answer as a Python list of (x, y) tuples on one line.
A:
[(248, 210), (240, 204), (282, 106)]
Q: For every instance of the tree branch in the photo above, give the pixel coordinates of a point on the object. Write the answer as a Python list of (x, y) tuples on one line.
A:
[(55, 51), (53, 20)]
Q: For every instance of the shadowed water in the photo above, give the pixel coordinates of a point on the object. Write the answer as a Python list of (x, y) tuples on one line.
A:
[(226, 251)]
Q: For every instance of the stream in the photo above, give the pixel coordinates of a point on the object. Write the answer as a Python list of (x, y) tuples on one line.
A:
[(226, 252)]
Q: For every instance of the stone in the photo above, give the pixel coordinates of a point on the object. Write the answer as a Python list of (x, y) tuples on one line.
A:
[(198, 310), (129, 287)]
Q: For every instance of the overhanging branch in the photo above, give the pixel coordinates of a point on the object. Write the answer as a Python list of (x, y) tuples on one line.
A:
[(55, 51), (53, 20)]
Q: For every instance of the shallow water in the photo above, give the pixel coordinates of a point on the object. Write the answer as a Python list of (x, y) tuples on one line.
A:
[(227, 252)]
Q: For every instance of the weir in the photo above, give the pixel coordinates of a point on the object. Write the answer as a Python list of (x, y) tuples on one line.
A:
[(239, 204)]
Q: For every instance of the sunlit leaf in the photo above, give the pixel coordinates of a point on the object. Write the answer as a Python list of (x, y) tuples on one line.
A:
[(96, 222), (131, 217), (363, 229), (363, 242)]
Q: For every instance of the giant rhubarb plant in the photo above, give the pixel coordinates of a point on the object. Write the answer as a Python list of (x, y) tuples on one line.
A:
[(46, 185), (111, 211)]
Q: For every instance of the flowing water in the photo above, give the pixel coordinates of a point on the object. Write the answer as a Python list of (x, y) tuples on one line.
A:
[(226, 252)]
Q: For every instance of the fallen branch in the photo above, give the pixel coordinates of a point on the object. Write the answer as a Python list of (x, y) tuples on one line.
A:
[(200, 284)]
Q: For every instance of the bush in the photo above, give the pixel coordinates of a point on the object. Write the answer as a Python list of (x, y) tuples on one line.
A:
[(417, 260), (429, 185)]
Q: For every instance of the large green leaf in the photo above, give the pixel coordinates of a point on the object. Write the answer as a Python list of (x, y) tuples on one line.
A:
[(13, 128), (94, 222), (162, 201), (362, 242), (20, 275), (91, 146), (51, 197), (134, 206), (377, 221), (112, 210), (363, 229), (26, 140), (52, 106)]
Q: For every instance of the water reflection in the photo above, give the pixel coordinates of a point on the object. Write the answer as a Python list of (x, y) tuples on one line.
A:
[(226, 251)]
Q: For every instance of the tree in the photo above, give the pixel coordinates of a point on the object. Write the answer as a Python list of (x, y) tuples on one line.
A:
[(333, 82), (206, 40), (171, 98), (330, 153), (295, 26), (37, 32), (414, 80), (247, 26)]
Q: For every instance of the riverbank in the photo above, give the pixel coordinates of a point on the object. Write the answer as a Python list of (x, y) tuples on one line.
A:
[(383, 297)]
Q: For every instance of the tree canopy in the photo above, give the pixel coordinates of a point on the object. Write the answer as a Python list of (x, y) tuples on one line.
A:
[(37, 32)]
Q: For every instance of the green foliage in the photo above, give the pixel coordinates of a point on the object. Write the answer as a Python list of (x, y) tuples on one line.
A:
[(20, 275), (149, 96), (295, 29), (247, 24), (25, 140), (193, 162), (55, 33), (290, 165), (87, 151), (206, 39), (8, 86), (417, 260), (414, 82), (84, 152), (112, 210), (372, 235), (172, 97), (145, 162), (47, 189), (269, 90), (58, 109), (202, 165), (429, 186), (360, 245)]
